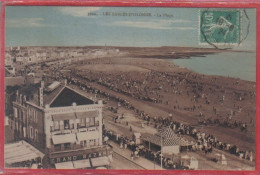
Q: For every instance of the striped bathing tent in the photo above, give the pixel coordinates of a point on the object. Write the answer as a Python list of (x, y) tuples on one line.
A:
[(169, 141)]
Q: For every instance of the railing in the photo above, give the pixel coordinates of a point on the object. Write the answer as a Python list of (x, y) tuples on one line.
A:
[(77, 147), (69, 131)]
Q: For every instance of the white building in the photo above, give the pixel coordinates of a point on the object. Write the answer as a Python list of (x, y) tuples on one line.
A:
[(62, 123)]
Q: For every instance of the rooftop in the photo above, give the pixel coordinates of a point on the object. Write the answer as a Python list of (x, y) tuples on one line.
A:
[(61, 96), (68, 96)]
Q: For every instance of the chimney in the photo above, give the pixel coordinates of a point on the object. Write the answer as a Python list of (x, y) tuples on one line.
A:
[(17, 96), (40, 95)]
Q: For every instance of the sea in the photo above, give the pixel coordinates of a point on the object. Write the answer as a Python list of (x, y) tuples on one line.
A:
[(230, 64)]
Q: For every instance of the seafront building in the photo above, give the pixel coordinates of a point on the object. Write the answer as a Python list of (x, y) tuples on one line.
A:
[(62, 123)]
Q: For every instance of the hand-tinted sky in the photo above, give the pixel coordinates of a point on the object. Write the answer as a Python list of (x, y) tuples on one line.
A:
[(71, 26)]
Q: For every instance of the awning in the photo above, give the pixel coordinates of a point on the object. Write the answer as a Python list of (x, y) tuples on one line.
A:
[(21, 158), (66, 116), (81, 164), (86, 114), (19, 152), (87, 135), (64, 165), (66, 138), (100, 161)]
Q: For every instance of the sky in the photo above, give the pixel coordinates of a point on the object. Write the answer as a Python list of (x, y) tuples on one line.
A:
[(72, 26)]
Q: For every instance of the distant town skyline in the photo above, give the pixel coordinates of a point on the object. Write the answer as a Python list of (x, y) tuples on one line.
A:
[(72, 26)]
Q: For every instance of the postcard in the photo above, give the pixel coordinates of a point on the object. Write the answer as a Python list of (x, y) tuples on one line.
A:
[(130, 88)]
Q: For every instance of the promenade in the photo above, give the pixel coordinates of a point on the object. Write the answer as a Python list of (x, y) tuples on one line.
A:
[(145, 163)]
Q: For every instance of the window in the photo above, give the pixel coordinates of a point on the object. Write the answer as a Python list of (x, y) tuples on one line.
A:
[(56, 125), (16, 125), (92, 142), (21, 129), (66, 124), (57, 147), (82, 123), (87, 121), (24, 131), (71, 124), (35, 116), (96, 121), (81, 143), (18, 113), (30, 113), (36, 135), (22, 115), (15, 112), (61, 124), (92, 121), (11, 124), (66, 145), (31, 132)]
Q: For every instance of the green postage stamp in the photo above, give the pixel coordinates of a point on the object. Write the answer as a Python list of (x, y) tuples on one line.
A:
[(220, 27)]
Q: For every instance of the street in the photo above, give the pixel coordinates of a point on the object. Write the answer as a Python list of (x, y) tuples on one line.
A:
[(120, 162)]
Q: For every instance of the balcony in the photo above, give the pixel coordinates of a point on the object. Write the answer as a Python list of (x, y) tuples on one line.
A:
[(80, 149), (74, 147)]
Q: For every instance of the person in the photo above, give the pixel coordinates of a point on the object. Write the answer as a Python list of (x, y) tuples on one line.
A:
[(251, 157), (132, 155)]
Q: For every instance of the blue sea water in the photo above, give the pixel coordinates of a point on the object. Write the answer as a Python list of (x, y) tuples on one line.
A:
[(232, 64)]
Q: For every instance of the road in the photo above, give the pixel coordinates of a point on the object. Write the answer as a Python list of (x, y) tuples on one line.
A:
[(120, 162)]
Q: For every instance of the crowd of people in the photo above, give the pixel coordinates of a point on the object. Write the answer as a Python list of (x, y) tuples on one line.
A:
[(205, 142), (153, 86), (138, 150), (224, 123)]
